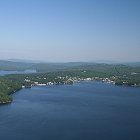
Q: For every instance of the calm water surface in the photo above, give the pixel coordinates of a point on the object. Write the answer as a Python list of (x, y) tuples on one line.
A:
[(4, 72), (83, 111)]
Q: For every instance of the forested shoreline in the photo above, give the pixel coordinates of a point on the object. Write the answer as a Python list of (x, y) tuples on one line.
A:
[(112, 74)]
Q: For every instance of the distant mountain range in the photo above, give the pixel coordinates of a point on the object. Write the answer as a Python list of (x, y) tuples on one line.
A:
[(75, 63), (24, 60), (21, 65)]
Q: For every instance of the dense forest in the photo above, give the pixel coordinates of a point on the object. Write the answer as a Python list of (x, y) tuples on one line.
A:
[(66, 73)]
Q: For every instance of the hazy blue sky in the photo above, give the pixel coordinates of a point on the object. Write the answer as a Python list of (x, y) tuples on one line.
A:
[(70, 30)]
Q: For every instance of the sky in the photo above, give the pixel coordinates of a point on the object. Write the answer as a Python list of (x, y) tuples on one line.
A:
[(70, 30)]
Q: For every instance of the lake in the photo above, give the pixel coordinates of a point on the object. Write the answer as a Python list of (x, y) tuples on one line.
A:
[(4, 72), (83, 111)]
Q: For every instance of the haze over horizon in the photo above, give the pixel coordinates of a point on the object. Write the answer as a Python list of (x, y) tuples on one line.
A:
[(69, 31)]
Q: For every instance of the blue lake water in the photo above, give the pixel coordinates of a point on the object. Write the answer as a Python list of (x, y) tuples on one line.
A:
[(83, 111), (3, 72)]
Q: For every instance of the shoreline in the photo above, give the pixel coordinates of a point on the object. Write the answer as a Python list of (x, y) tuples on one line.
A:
[(52, 84), (5, 103)]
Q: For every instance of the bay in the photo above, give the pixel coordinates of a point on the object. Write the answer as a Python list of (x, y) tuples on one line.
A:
[(83, 111), (4, 72)]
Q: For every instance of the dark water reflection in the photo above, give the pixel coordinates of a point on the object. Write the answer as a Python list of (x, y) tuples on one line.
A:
[(84, 111)]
